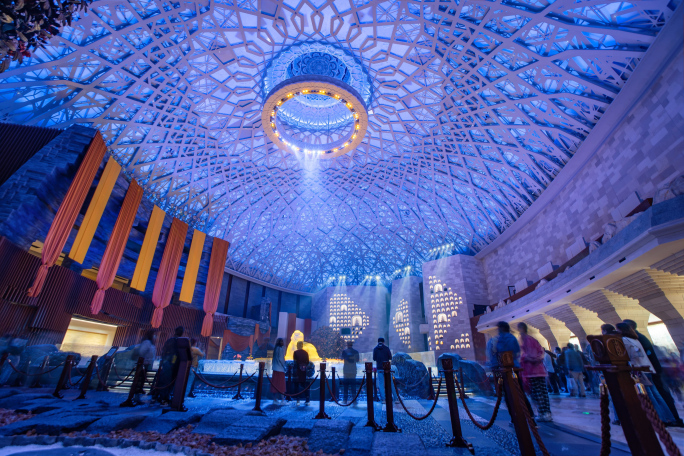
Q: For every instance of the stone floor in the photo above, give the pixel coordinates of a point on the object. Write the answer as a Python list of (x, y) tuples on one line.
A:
[(576, 429)]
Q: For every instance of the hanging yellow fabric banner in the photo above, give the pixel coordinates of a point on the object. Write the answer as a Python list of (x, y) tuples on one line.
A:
[(191, 269), (95, 210), (142, 267)]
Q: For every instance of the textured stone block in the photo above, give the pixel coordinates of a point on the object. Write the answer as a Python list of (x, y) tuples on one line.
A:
[(168, 422), (330, 436), (51, 425), (215, 422), (249, 430), (115, 423), (397, 444), (298, 428)]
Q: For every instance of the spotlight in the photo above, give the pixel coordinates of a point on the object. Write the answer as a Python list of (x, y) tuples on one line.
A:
[(377, 277)]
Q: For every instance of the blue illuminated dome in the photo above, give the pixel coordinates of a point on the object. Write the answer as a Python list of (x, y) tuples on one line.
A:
[(473, 109)]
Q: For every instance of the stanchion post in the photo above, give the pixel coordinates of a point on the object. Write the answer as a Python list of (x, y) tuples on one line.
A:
[(512, 392), (321, 402), (333, 387), (137, 378), (61, 383), (46, 363), (2, 363), (612, 358), (369, 397), (457, 440), (260, 382), (431, 396), (85, 383), (389, 406), (238, 395)]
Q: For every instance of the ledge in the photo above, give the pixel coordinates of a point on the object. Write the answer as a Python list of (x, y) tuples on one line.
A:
[(633, 248)]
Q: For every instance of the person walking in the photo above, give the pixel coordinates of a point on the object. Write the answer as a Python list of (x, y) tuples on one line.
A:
[(561, 370), (550, 366), (350, 358), (196, 353), (148, 351), (278, 367), (657, 375), (532, 362), (382, 354), (301, 366), (168, 366), (638, 358), (504, 341), (575, 366)]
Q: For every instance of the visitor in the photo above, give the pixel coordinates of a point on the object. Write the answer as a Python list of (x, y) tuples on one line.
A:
[(196, 353), (533, 370), (381, 354), (657, 375), (301, 366), (638, 358), (550, 366), (350, 358), (278, 366), (168, 367), (504, 341), (575, 367), (147, 351), (561, 370)]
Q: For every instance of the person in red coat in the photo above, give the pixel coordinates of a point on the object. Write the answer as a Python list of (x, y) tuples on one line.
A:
[(301, 364)]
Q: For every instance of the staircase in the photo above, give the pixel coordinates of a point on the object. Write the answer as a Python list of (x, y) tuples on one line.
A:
[(126, 386)]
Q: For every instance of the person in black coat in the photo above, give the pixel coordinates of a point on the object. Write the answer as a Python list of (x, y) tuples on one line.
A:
[(381, 354), (168, 366), (301, 365), (657, 378)]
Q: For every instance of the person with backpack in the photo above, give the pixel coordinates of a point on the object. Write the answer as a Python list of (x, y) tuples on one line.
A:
[(168, 367), (532, 362)]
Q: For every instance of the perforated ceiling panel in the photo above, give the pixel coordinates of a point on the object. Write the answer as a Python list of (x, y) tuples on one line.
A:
[(475, 106)]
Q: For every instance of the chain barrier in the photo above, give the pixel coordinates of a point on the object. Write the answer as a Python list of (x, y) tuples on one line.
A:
[(38, 373), (117, 373), (291, 395), (220, 385), (410, 386), (99, 379), (499, 396), (419, 418), (658, 426), (358, 393), (605, 420), (528, 418)]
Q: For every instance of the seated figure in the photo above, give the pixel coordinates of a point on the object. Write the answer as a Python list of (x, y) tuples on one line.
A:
[(298, 336)]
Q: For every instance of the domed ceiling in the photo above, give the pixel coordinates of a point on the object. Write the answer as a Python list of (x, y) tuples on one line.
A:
[(473, 107)]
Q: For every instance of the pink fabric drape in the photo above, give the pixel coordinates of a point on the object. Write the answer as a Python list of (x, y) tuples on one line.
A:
[(240, 343), (168, 270), (68, 211), (217, 266), (116, 245)]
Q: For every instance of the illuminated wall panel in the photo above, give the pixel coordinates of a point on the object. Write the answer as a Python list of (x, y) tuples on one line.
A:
[(406, 316), (452, 286)]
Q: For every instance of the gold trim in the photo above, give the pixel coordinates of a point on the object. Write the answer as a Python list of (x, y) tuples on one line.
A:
[(289, 91)]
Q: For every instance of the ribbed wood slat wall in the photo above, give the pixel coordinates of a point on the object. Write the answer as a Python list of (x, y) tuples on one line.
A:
[(67, 294)]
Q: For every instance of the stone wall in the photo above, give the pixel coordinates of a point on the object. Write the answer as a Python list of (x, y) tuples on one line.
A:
[(406, 314), (646, 149)]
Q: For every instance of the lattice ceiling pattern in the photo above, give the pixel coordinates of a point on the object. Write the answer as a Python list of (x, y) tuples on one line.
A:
[(476, 107)]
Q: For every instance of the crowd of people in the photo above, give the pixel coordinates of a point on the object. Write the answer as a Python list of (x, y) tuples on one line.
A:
[(564, 371)]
